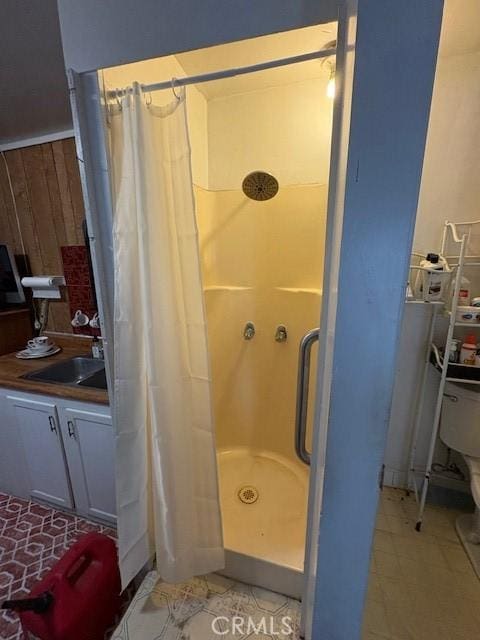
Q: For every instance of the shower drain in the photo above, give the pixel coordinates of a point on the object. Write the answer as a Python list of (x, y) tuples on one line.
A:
[(248, 494)]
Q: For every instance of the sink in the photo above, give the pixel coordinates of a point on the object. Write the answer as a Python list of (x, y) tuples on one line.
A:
[(80, 370), (97, 380)]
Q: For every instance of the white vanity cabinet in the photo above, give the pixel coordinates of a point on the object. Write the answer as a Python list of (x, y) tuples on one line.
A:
[(89, 448), (13, 478), (58, 451), (37, 426)]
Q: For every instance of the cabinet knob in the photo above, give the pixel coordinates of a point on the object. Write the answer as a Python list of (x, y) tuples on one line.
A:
[(71, 429), (53, 426)]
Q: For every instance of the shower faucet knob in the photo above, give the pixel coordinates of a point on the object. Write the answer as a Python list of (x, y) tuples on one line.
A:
[(249, 331), (281, 333)]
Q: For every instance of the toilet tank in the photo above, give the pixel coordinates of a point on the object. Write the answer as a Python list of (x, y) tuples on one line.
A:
[(460, 421)]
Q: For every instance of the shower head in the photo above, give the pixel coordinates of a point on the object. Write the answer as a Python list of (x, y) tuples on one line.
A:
[(260, 185)]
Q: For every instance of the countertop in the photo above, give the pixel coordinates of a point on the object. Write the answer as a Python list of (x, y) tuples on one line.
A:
[(12, 368)]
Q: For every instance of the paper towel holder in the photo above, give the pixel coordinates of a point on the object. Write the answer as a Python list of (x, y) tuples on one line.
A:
[(47, 287)]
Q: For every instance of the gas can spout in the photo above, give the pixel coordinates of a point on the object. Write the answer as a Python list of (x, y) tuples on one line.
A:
[(40, 604)]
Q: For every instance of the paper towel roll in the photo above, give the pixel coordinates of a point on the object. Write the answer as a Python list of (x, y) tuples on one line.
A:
[(44, 286), (40, 282)]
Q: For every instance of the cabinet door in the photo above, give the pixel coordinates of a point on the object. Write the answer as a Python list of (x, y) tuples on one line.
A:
[(89, 446), (39, 429), (12, 461)]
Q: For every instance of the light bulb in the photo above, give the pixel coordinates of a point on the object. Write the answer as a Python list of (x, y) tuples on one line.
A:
[(331, 87)]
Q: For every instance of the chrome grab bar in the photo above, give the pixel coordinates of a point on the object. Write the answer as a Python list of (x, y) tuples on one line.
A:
[(303, 379)]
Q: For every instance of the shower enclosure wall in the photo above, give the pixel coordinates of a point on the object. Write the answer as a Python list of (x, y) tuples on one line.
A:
[(262, 263)]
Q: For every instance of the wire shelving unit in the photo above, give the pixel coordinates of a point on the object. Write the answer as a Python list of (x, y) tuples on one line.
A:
[(457, 262)]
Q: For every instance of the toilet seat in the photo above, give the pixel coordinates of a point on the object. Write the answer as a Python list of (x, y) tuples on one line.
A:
[(474, 468), (473, 464)]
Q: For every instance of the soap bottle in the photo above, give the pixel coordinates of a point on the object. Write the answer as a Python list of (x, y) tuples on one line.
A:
[(468, 350), (97, 349)]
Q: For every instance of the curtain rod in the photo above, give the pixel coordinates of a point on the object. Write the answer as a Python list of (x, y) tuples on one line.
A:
[(228, 73)]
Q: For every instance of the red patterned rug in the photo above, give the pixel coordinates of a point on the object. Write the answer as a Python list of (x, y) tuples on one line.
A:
[(32, 538)]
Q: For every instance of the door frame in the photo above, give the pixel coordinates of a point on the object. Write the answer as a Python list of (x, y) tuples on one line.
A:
[(91, 133), (345, 59), (396, 47), (91, 136), (403, 37)]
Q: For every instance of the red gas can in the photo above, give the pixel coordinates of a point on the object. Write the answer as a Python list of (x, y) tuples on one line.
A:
[(85, 586)]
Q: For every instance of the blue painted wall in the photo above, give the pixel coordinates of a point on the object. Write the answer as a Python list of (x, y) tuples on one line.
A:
[(394, 70)]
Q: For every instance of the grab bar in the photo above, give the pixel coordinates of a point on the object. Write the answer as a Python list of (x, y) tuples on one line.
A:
[(303, 379)]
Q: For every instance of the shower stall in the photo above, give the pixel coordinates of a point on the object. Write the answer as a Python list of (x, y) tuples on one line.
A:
[(260, 150), (262, 265), (261, 225)]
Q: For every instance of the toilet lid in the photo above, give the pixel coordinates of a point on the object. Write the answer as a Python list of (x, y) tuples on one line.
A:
[(460, 422)]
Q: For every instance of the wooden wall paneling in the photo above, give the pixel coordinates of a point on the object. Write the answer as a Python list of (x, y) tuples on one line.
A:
[(59, 310), (42, 211), (5, 231), (71, 164), (68, 180), (65, 195), (27, 221), (8, 226), (54, 195), (59, 315)]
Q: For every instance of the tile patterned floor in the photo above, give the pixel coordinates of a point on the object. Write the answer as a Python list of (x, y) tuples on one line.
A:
[(32, 539), (187, 611), (422, 586)]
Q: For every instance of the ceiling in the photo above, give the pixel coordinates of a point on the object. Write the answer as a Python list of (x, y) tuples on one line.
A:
[(32, 76), (247, 52)]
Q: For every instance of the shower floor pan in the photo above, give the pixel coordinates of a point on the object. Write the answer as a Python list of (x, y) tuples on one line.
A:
[(264, 512)]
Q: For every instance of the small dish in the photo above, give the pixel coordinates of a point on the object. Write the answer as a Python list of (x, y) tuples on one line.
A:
[(26, 354)]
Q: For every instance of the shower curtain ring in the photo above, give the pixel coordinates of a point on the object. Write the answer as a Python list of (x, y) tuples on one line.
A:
[(117, 98), (173, 89), (148, 101)]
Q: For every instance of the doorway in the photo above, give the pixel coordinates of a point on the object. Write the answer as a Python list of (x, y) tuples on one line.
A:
[(260, 151)]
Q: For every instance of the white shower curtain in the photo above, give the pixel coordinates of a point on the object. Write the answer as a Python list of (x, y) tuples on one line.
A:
[(167, 492)]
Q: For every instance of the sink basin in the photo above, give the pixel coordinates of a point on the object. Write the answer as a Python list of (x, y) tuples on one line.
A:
[(75, 371), (97, 380)]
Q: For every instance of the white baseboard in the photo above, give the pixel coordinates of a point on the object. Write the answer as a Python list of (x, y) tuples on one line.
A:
[(395, 478)]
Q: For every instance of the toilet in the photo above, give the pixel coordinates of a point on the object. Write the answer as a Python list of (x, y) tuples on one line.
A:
[(460, 430)]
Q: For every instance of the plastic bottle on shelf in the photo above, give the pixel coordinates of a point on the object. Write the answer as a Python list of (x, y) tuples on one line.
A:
[(453, 353), (464, 295), (469, 350), (430, 285)]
